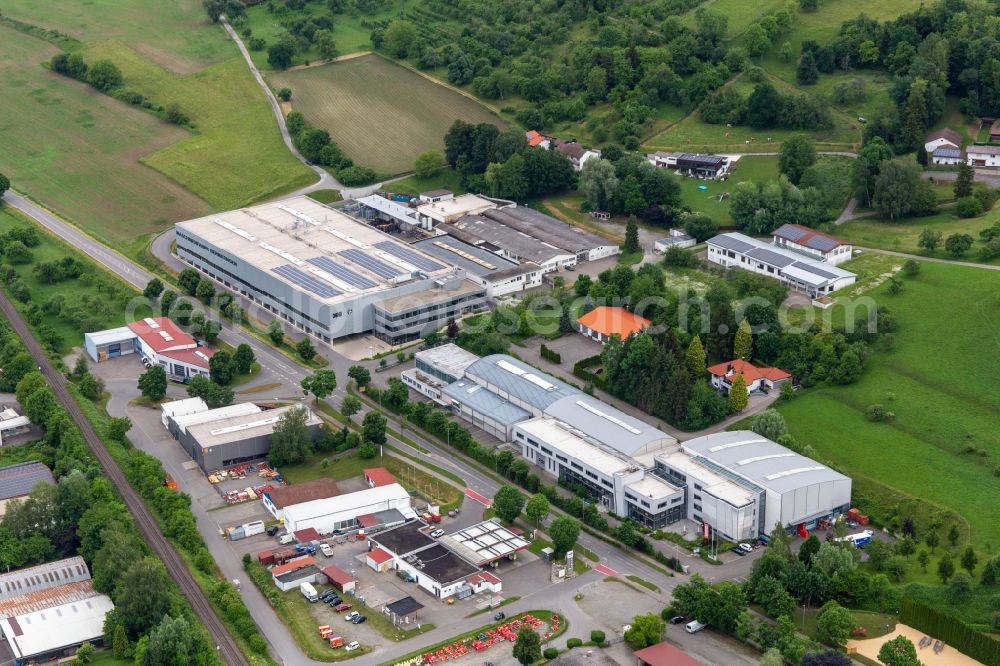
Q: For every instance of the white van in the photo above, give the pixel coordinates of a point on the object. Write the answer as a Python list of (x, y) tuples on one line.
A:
[(309, 592), (694, 626), (286, 539)]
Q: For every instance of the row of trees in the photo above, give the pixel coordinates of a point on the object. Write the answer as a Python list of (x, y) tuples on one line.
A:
[(766, 107), (317, 147)]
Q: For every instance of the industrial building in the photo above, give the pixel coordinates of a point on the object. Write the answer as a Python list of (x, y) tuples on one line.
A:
[(498, 276), (12, 424), (815, 244), (741, 484), (798, 271), (233, 440), (158, 340), (440, 567), (17, 481), (195, 415), (326, 273), (436, 368), (675, 238), (344, 512), (523, 234), (276, 499), (48, 611)]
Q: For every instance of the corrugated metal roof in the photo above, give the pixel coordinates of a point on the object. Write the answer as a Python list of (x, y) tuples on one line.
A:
[(18, 480), (607, 425), (520, 380), (467, 392), (761, 461)]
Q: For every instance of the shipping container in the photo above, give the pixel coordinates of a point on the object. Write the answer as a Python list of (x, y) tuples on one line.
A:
[(266, 557), (256, 527)]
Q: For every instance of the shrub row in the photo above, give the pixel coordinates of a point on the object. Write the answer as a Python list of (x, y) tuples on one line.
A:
[(582, 369), (551, 356), (951, 630)]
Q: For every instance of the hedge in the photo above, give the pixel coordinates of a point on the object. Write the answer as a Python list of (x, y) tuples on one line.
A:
[(582, 370), (549, 355), (597, 637), (951, 630), (574, 642), (550, 653)]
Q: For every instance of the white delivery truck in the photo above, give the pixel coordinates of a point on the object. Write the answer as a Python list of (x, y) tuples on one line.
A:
[(309, 592)]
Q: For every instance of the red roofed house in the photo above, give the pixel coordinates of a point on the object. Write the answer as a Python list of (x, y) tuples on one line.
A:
[(339, 578), (664, 654), (378, 476), (756, 379), (536, 138), (379, 560), (158, 340), (603, 322)]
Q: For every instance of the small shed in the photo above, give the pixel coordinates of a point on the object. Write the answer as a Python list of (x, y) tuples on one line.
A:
[(307, 535), (340, 579), (378, 476), (404, 611), (379, 560)]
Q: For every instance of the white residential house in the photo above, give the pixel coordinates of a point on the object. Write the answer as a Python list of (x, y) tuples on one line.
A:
[(815, 244), (947, 156), (577, 154), (944, 138), (987, 157)]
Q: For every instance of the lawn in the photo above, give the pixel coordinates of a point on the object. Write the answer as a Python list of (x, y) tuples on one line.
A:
[(120, 309), (80, 152), (758, 169), (446, 179), (695, 135), (940, 386), (176, 35), (903, 235), (236, 155), (382, 114), (823, 25), (741, 14)]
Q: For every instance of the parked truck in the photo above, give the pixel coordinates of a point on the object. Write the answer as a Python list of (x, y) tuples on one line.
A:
[(245, 530), (860, 540)]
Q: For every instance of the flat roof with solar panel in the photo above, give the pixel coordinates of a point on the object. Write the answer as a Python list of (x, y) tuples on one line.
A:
[(474, 260), (312, 247)]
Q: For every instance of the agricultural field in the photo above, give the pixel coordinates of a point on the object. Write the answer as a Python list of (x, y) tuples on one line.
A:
[(942, 445), (693, 134), (381, 114), (235, 156), (176, 35), (80, 152), (903, 235)]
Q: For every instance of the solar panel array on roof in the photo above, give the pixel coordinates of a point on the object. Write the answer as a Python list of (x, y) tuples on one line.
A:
[(345, 274), (369, 262), (306, 281), (790, 232), (728, 242), (773, 258), (821, 243), (816, 270), (406, 254)]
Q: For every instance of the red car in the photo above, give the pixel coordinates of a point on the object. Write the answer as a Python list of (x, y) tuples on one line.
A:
[(342, 607)]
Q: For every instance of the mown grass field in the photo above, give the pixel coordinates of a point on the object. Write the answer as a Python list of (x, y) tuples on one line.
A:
[(175, 34), (381, 114), (759, 169), (823, 25), (693, 134), (741, 14), (80, 152), (235, 156), (447, 179), (940, 382), (903, 235)]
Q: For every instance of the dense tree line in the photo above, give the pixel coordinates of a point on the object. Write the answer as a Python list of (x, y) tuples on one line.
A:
[(766, 107), (502, 164)]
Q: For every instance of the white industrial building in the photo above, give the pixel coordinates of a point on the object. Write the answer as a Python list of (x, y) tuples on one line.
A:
[(326, 273), (815, 244), (158, 340), (436, 368), (498, 276), (741, 484), (797, 271), (675, 238), (178, 424), (342, 512)]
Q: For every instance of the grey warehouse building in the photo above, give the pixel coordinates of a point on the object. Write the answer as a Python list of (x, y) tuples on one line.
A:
[(326, 273), (236, 439)]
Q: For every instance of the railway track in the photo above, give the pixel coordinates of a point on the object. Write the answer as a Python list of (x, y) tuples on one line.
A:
[(229, 651)]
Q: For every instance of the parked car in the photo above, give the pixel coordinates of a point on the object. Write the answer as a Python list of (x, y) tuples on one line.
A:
[(499, 616), (437, 533), (694, 626), (352, 646), (350, 616), (334, 601), (677, 619), (326, 596), (361, 619), (342, 607), (746, 547), (272, 530), (739, 551), (325, 549)]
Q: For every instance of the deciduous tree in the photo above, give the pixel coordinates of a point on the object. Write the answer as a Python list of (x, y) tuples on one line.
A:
[(373, 428), (350, 406), (537, 508), (320, 383), (564, 531), (646, 630), (771, 424), (899, 651), (834, 623), (153, 383), (508, 503), (360, 374), (428, 163), (143, 596), (528, 646), (290, 441), (243, 358), (798, 153), (304, 348)]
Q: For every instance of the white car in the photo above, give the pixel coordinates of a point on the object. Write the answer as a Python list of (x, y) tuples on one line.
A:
[(352, 646), (350, 616), (325, 549), (437, 533), (746, 547)]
